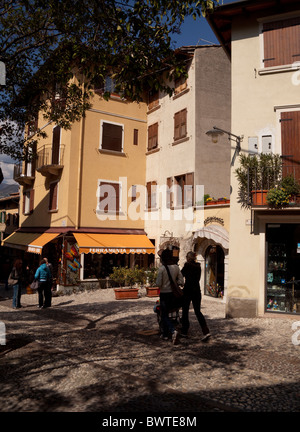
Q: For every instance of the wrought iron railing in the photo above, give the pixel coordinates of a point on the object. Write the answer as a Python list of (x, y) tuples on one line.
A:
[(47, 156)]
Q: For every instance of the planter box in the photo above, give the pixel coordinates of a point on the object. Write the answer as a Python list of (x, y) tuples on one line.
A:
[(217, 202), (126, 293), (152, 292), (259, 197)]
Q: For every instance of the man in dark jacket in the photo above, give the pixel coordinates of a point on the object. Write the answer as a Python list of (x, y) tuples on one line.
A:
[(191, 271)]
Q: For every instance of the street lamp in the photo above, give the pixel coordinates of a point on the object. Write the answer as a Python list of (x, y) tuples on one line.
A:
[(215, 132)]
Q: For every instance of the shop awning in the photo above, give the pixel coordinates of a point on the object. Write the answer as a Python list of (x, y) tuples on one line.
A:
[(114, 243), (37, 245), (29, 242)]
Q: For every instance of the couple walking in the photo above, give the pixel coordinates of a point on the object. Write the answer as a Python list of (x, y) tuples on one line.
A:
[(191, 271)]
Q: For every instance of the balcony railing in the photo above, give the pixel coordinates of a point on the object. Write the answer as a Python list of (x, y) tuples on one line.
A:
[(24, 173), (50, 161), (259, 183)]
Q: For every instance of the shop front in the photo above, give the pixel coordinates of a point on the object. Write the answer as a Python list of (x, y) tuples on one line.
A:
[(283, 268)]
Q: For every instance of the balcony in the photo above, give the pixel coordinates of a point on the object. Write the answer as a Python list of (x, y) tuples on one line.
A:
[(50, 162), (26, 177)]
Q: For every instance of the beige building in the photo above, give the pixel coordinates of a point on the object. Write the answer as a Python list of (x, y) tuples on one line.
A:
[(262, 42), (182, 164)]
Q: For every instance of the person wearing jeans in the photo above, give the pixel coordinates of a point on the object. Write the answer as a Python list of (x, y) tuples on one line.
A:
[(191, 271), (16, 274), (43, 276)]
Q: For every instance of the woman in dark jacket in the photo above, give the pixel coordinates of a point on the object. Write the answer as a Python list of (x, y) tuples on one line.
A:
[(17, 276), (191, 271)]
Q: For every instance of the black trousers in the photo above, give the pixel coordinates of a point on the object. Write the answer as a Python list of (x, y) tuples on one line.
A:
[(44, 291), (194, 297)]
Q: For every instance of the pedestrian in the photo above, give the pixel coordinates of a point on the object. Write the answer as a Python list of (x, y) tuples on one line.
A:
[(191, 271), (43, 276), (168, 301), (50, 267), (15, 279)]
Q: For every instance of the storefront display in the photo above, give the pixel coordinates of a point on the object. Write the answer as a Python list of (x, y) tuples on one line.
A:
[(214, 272), (283, 273)]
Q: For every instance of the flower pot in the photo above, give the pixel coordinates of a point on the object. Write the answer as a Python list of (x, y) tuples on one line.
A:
[(126, 293), (259, 197), (152, 291)]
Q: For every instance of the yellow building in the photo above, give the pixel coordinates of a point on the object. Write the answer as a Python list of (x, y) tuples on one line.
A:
[(79, 203)]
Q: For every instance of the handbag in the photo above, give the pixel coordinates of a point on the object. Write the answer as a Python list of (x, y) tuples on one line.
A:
[(177, 291), (11, 280), (34, 285)]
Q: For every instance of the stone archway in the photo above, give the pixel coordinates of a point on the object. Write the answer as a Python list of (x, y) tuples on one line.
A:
[(212, 235)]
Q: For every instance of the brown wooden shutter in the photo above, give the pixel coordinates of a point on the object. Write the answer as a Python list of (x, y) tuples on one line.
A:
[(55, 145), (53, 196), (148, 186), (281, 42), (31, 200), (180, 124), (170, 194), (189, 189), (24, 201), (112, 137), (153, 136), (153, 99), (290, 142), (135, 136), (112, 200)]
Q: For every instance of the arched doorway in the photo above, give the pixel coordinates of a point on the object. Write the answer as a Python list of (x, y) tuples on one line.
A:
[(214, 271)]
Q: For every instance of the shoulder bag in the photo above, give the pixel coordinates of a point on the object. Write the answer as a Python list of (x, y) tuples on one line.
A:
[(34, 285), (177, 291), (11, 278)]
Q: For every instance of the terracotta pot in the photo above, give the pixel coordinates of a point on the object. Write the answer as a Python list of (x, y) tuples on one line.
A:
[(126, 293), (152, 291), (259, 197)]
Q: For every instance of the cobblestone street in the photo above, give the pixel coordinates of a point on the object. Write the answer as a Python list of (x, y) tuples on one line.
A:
[(91, 353)]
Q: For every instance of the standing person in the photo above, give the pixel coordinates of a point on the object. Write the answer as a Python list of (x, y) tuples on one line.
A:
[(15, 279), (43, 276), (167, 299), (191, 271), (50, 267)]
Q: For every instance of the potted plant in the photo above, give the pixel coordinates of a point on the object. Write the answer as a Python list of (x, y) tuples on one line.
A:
[(291, 186), (152, 289), (278, 197), (256, 175), (124, 276)]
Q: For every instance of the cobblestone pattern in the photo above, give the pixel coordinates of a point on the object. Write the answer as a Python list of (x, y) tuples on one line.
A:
[(92, 353)]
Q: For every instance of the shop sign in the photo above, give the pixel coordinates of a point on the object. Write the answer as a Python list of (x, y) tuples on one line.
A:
[(34, 249), (116, 250)]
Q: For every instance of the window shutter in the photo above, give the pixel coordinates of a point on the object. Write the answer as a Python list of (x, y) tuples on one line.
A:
[(170, 194), (290, 142), (24, 201), (53, 196), (55, 145), (281, 42), (148, 195), (135, 136), (180, 124), (110, 201), (112, 137), (153, 136), (153, 99), (189, 189), (31, 200)]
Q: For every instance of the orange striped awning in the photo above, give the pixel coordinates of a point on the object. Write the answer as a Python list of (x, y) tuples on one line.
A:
[(114, 243)]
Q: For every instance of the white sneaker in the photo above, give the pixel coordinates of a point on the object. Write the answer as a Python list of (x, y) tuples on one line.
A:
[(175, 337), (206, 337)]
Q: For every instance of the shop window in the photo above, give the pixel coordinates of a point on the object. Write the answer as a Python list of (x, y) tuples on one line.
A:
[(283, 268), (214, 271)]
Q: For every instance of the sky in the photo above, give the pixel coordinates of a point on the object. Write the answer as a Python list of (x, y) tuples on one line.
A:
[(193, 32)]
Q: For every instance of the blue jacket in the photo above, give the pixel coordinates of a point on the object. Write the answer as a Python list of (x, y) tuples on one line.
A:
[(42, 273)]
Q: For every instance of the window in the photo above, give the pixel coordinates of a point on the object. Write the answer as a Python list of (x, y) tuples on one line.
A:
[(180, 85), (32, 126), (281, 42), (180, 124), (56, 145), (53, 203), (28, 201), (111, 136), (151, 195), (153, 137), (180, 191), (135, 136), (290, 143), (153, 99), (109, 197)]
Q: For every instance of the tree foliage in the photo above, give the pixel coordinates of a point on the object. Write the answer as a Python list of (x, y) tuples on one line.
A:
[(43, 41)]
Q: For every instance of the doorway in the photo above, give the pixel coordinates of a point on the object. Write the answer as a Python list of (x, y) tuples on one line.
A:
[(214, 271)]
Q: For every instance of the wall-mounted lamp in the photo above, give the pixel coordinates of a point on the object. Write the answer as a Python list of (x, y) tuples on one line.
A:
[(215, 132)]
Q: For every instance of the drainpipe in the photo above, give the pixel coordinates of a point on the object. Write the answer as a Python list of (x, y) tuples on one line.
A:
[(79, 175)]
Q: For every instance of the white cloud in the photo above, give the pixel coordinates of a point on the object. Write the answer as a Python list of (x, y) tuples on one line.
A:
[(8, 172)]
